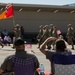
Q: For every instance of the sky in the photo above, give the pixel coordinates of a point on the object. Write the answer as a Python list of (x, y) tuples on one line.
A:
[(42, 2)]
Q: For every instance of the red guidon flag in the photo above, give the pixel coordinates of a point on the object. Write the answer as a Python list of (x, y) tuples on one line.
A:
[(8, 13)]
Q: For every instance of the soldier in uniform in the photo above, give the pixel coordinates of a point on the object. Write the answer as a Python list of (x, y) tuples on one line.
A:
[(50, 35), (40, 35), (54, 34), (16, 30), (17, 33), (45, 33), (70, 35), (50, 30)]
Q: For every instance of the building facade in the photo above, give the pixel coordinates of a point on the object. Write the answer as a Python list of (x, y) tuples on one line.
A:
[(32, 16)]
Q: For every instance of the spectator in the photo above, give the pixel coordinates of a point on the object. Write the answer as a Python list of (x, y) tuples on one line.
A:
[(4, 33), (1, 39), (60, 48), (9, 41), (8, 64), (5, 40)]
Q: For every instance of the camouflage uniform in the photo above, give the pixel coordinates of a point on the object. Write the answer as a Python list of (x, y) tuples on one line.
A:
[(45, 34), (17, 33), (50, 35), (50, 30), (70, 35), (40, 35), (54, 34)]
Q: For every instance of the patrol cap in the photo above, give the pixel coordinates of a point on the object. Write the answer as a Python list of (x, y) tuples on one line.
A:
[(17, 25), (69, 25), (51, 24), (19, 42)]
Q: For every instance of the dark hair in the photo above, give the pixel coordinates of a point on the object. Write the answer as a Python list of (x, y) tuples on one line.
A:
[(60, 45), (19, 42)]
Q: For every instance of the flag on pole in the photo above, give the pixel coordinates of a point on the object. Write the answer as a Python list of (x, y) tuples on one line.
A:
[(8, 13), (3, 15)]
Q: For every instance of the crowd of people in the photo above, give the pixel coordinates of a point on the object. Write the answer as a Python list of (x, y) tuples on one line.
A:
[(5, 38), (46, 32), (23, 63)]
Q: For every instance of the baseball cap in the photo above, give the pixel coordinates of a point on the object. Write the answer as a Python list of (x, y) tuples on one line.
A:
[(19, 42)]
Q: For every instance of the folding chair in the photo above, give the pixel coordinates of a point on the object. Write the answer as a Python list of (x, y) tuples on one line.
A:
[(64, 64), (24, 67)]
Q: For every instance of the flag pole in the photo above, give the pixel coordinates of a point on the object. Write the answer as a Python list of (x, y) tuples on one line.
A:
[(13, 18), (13, 21)]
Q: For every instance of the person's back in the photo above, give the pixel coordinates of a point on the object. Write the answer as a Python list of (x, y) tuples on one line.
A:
[(26, 65), (23, 60), (60, 49), (64, 64)]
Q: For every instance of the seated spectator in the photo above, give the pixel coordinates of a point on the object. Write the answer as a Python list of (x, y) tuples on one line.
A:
[(1, 39), (9, 41), (5, 40), (9, 65), (4, 33), (60, 48)]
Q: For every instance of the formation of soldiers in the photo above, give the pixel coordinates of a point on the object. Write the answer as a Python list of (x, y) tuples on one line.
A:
[(45, 32), (48, 31), (51, 31)]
